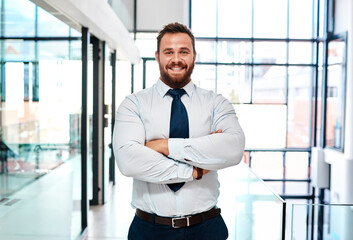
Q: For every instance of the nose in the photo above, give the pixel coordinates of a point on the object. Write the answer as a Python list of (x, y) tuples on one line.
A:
[(176, 58)]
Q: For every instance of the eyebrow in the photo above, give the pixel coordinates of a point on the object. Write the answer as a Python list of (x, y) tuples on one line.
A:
[(182, 48)]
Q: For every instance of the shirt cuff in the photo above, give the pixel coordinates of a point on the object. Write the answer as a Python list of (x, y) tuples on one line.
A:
[(176, 148), (185, 172)]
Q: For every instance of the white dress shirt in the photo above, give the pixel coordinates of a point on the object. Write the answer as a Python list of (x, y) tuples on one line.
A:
[(145, 116)]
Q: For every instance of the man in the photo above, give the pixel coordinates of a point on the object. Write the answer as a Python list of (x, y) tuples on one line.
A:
[(172, 138)]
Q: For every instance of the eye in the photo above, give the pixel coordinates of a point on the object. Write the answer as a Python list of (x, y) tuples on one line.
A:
[(168, 52), (184, 52)]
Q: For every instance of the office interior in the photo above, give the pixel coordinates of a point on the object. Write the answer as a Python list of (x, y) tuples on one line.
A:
[(286, 66)]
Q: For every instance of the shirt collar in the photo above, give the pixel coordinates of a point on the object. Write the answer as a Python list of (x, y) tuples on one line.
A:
[(163, 88)]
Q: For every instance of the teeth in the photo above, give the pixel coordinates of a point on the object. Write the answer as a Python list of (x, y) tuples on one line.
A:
[(176, 68)]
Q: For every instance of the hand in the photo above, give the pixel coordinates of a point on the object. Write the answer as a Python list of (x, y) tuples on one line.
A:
[(196, 173), (218, 131), (159, 145)]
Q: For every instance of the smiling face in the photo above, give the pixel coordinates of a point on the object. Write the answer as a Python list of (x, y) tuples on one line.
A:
[(176, 59)]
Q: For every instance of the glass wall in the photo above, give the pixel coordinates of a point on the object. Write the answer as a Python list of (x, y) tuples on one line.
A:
[(40, 124), (262, 57)]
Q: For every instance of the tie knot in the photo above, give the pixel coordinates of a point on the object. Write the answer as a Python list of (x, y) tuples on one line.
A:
[(176, 93)]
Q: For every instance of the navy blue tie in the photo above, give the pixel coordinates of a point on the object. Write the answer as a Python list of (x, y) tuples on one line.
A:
[(179, 123)]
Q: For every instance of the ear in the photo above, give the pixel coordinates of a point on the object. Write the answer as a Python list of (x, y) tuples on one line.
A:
[(194, 56), (156, 56)]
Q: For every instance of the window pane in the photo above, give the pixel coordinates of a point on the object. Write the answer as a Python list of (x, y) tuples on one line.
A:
[(297, 165), (205, 51), (300, 19), (269, 84), (335, 106), (233, 82), (300, 52), (270, 19), (270, 52), (123, 81), (230, 14), (19, 18), (138, 77), (147, 44), (267, 164), (336, 52), (319, 99), (264, 125), (203, 18), (18, 50), (48, 25), (75, 50), (299, 95), (53, 49), (321, 18), (204, 76), (297, 188), (152, 73), (234, 52), (42, 136)]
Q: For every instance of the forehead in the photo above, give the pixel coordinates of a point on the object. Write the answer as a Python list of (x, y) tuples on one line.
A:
[(176, 40)]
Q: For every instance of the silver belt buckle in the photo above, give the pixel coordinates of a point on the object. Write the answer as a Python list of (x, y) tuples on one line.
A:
[(181, 218)]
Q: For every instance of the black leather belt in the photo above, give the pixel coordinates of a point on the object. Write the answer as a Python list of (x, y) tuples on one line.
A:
[(179, 222)]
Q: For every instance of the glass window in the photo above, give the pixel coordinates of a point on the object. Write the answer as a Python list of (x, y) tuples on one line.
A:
[(234, 18), (270, 52), (123, 87), (299, 95), (147, 44), (75, 52), (264, 125), (204, 18), (335, 94), (269, 84), (152, 73), (297, 165), (335, 106), (270, 19), (19, 50), (204, 76), (205, 51), (319, 107), (234, 52), (233, 82), (300, 52), (53, 50), (300, 19), (48, 25), (267, 164), (19, 18), (336, 52), (41, 136), (138, 77)]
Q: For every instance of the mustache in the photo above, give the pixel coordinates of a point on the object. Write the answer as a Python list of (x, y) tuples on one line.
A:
[(176, 64)]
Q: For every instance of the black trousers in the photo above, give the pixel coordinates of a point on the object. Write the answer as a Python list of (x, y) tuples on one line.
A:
[(212, 229)]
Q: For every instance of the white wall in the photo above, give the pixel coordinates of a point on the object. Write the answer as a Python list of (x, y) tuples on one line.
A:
[(152, 15)]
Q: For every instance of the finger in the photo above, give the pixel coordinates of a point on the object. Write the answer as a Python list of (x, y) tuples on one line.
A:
[(217, 131)]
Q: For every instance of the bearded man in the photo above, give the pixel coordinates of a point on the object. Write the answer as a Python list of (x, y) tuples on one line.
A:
[(172, 139)]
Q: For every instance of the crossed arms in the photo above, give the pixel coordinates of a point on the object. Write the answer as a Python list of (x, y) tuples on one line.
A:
[(175, 160)]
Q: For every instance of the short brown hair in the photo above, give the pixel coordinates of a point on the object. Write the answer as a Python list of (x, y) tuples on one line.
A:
[(175, 28)]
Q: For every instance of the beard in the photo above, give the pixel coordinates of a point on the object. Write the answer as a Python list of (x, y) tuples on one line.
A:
[(176, 82)]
